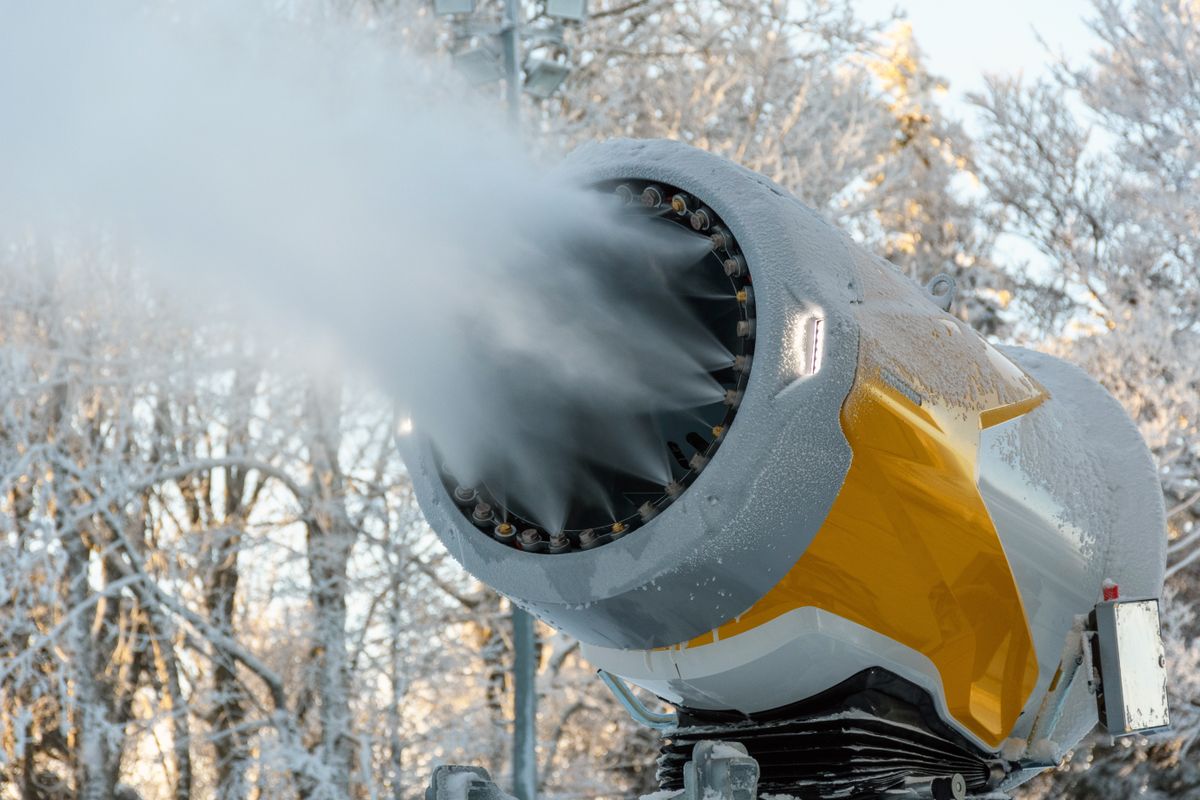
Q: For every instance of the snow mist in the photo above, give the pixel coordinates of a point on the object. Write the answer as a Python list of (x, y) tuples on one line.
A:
[(525, 327)]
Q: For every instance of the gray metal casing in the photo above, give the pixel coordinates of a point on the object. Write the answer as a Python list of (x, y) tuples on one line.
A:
[(1076, 500), (754, 510)]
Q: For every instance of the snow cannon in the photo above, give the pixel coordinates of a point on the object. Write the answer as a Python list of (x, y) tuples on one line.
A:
[(894, 559)]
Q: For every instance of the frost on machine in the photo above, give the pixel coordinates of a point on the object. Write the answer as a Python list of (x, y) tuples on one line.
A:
[(880, 562)]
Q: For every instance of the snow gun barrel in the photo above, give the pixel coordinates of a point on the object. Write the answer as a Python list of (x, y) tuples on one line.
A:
[(881, 503)]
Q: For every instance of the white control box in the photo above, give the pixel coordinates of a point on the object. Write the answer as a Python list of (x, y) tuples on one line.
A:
[(1132, 667)]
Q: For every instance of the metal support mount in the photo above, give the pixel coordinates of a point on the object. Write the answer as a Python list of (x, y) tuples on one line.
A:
[(1075, 652), (717, 771), (720, 771), (456, 782)]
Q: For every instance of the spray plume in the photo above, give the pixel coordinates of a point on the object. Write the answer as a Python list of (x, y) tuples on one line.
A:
[(527, 327)]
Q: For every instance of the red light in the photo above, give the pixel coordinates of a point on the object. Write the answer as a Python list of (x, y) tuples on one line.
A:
[(1111, 591)]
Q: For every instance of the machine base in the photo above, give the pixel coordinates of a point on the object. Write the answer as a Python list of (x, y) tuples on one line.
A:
[(874, 735)]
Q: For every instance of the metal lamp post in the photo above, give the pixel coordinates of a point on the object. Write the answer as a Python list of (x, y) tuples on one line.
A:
[(540, 78), (500, 54)]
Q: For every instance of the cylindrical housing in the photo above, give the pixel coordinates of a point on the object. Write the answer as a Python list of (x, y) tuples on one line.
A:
[(893, 492)]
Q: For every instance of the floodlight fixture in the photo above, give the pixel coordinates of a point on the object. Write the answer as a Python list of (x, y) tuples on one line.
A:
[(479, 65), (448, 7), (542, 77), (570, 10)]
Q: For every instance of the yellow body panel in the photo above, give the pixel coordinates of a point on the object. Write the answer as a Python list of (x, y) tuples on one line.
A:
[(908, 549)]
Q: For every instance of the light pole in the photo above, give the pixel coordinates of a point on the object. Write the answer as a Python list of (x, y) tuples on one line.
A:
[(524, 755), (524, 758), (510, 37), (540, 78)]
